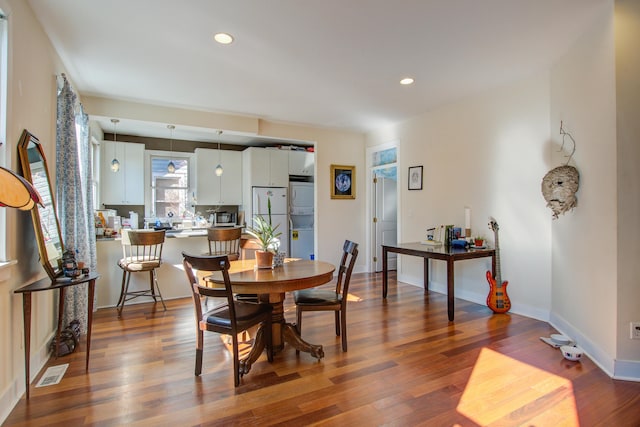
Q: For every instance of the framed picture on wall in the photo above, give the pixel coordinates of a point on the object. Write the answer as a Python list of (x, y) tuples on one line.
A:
[(415, 178), (343, 182)]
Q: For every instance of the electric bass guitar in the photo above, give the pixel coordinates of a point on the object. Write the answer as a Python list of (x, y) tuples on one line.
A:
[(497, 300)]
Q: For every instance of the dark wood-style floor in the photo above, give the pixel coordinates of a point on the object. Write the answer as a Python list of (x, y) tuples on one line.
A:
[(406, 365)]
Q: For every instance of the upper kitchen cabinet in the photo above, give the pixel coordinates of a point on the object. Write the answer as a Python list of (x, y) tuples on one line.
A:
[(126, 186), (264, 167), (301, 163), (218, 190)]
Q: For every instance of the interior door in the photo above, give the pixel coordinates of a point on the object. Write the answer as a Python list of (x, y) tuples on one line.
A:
[(385, 222)]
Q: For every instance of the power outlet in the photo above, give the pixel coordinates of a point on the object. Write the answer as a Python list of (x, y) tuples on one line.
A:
[(635, 331)]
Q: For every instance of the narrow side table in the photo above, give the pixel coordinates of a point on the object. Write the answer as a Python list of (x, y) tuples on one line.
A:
[(45, 285)]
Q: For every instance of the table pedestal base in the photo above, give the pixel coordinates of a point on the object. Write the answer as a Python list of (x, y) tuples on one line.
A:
[(292, 337), (281, 332)]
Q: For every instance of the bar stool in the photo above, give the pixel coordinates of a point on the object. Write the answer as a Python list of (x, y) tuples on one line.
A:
[(142, 252)]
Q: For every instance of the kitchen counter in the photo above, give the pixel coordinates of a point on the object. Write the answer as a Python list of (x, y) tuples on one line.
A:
[(186, 233), (172, 279)]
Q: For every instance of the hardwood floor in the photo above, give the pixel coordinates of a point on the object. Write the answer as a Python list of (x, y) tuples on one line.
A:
[(406, 365)]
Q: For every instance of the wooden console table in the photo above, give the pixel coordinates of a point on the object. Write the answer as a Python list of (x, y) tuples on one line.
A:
[(45, 285), (445, 253)]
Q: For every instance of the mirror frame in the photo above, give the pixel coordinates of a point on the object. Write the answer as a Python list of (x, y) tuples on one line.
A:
[(29, 142)]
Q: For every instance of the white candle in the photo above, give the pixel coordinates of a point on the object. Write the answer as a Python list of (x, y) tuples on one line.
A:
[(467, 222)]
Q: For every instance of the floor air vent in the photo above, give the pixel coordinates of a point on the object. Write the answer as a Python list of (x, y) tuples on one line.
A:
[(53, 375)]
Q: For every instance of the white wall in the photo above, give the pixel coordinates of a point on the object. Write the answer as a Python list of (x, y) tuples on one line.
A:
[(584, 252), (31, 105), (488, 152), (580, 271), (627, 34)]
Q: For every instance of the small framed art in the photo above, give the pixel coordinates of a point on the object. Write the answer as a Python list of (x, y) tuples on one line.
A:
[(415, 178), (343, 182)]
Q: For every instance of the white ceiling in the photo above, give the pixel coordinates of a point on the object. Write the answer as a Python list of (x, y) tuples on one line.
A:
[(329, 63)]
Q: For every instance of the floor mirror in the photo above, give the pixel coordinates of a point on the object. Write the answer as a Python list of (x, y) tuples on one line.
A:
[(45, 219)]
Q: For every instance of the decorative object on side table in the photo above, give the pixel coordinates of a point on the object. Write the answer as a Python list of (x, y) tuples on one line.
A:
[(478, 241), (432, 238), (268, 238), (448, 235), (415, 178), (343, 182), (467, 222)]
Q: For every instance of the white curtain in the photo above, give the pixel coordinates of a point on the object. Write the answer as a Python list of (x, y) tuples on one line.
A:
[(74, 194)]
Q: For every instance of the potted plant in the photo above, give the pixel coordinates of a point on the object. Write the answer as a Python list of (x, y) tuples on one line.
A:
[(267, 236), (478, 241)]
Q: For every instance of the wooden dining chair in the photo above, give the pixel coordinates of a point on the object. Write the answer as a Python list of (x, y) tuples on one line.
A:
[(335, 300), (225, 241), (141, 252), (231, 317)]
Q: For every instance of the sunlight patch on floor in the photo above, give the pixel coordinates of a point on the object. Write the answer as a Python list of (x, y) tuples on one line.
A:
[(353, 298), (502, 389)]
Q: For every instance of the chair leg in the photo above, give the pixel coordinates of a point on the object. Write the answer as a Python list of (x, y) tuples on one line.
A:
[(121, 299), (124, 293), (343, 326), (199, 347), (298, 323), (236, 361), (152, 290), (337, 316), (155, 281)]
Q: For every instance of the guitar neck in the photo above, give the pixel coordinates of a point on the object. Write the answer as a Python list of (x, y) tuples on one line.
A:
[(498, 277)]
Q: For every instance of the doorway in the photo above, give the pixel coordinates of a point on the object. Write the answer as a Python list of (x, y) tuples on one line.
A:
[(384, 206)]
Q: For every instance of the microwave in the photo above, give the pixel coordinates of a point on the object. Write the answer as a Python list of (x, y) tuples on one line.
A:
[(223, 219)]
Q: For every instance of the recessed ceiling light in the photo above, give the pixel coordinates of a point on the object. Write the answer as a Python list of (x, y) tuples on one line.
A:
[(223, 38), (406, 81)]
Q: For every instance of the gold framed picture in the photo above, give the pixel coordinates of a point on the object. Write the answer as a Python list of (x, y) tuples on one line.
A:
[(343, 182)]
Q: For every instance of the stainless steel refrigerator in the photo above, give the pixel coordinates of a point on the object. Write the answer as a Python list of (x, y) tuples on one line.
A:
[(279, 206)]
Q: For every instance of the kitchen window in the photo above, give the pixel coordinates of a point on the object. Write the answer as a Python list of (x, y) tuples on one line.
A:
[(169, 190)]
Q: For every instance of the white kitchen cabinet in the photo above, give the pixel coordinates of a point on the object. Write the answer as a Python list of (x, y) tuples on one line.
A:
[(218, 190), (265, 167), (301, 163), (126, 186)]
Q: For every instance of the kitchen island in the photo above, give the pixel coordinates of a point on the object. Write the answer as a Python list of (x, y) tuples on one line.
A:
[(172, 279)]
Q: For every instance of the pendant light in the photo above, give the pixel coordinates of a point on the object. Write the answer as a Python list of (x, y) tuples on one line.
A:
[(171, 167), (115, 164), (219, 169)]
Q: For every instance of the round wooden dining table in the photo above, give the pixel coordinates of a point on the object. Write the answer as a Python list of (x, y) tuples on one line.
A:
[(271, 285)]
